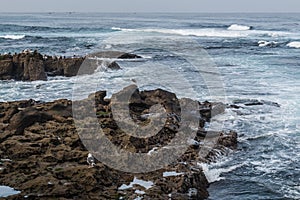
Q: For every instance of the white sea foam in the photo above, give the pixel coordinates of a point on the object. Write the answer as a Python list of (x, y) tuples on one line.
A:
[(13, 37), (236, 27), (214, 174), (294, 45), (234, 31), (146, 184), (190, 32), (267, 43)]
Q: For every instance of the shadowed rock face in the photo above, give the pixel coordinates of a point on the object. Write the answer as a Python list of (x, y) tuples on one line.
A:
[(24, 66), (47, 159), (31, 66), (62, 66)]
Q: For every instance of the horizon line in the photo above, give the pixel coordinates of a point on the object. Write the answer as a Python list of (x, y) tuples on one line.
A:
[(159, 12)]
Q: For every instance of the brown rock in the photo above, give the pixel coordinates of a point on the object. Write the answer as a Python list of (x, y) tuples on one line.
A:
[(26, 118), (6, 69), (48, 159), (34, 70)]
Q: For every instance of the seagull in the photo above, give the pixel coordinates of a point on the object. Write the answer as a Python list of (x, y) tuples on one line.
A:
[(90, 160)]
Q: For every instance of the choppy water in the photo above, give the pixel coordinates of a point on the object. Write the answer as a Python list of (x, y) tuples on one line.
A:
[(257, 55)]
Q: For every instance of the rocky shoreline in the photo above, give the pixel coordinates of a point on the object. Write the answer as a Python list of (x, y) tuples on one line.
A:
[(31, 65), (43, 156)]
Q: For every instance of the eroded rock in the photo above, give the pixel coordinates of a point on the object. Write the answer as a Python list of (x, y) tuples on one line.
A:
[(45, 157), (32, 66)]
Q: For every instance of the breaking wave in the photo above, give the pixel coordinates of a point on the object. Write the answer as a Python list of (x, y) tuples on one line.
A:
[(294, 45), (13, 37), (236, 27), (189, 32)]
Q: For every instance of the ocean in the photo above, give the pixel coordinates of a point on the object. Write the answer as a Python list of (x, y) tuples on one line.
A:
[(255, 57)]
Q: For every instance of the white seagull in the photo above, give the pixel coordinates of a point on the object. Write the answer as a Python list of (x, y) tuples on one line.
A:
[(90, 160)]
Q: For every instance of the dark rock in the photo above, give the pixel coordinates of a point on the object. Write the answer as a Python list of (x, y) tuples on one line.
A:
[(234, 106), (255, 102), (71, 66), (128, 56), (48, 159), (63, 67), (34, 70), (26, 118), (24, 66), (6, 69), (229, 140), (31, 66), (113, 66), (114, 54)]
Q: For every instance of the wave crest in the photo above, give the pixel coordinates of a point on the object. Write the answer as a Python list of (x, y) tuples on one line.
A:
[(236, 27), (13, 37), (294, 45), (189, 32), (263, 43)]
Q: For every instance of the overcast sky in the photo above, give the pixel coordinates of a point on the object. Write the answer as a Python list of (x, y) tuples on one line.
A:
[(150, 5)]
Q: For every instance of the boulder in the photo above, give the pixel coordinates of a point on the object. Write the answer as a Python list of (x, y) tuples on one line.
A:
[(114, 66)]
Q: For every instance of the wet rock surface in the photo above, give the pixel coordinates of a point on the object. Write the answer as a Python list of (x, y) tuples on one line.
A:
[(32, 66), (43, 156)]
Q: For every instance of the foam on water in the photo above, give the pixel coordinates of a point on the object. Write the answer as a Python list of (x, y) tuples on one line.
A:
[(267, 43), (231, 32), (294, 45), (213, 173), (13, 37), (190, 32), (236, 27)]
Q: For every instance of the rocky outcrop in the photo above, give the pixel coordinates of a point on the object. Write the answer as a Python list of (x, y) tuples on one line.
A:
[(42, 155), (62, 66), (31, 66), (24, 66), (114, 55), (6, 69)]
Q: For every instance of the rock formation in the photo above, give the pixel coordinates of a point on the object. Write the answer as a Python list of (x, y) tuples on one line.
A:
[(43, 156), (31, 66)]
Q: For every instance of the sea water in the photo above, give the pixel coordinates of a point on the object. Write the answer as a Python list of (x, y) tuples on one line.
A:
[(256, 55)]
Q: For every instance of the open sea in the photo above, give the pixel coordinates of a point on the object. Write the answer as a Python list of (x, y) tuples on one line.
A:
[(256, 58)]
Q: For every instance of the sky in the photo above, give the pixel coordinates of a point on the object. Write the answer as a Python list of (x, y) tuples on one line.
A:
[(150, 6)]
